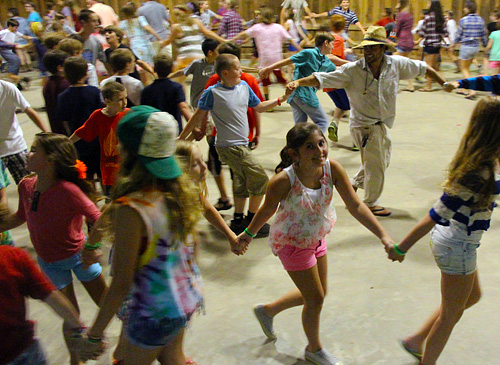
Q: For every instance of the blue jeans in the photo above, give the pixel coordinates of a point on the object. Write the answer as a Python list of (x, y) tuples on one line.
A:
[(13, 62), (301, 111)]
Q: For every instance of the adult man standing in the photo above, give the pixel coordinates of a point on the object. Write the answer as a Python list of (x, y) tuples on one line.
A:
[(372, 85), (13, 149), (105, 12)]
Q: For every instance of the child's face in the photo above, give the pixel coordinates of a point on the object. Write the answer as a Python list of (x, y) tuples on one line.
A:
[(198, 168), (344, 4), (37, 158), (111, 37), (212, 55), (232, 77), (314, 151), (204, 5), (13, 29), (118, 103)]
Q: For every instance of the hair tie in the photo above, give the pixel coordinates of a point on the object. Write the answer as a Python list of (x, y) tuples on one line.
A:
[(81, 168)]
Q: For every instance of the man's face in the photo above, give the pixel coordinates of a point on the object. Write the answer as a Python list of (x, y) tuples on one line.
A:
[(374, 53), (92, 23)]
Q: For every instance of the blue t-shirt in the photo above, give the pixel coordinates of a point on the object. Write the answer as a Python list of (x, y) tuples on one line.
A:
[(75, 105), (165, 95), (34, 17), (306, 62), (228, 106)]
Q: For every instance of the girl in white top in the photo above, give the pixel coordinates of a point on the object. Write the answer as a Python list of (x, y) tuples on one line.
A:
[(302, 192)]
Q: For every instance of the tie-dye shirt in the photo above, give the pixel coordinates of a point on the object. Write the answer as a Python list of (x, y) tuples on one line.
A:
[(167, 283), (301, 220)]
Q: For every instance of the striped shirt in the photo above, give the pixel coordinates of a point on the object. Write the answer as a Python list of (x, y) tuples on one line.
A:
[(189, 45), (482, 83), (349, 15), (457, 211), (429, 33), (471, 30)]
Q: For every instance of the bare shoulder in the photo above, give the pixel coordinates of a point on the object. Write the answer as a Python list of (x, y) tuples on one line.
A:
[(279, 185), (337, 170)]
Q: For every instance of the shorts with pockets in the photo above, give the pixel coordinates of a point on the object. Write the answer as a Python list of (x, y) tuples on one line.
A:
[(454, 258), (300, 259)]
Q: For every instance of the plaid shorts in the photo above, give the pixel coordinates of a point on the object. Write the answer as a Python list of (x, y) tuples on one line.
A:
[(16, 164)]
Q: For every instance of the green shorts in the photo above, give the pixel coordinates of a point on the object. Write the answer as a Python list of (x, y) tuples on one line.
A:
[(249, 177)]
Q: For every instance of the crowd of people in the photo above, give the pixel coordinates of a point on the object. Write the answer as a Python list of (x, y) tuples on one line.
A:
[(122, 135)]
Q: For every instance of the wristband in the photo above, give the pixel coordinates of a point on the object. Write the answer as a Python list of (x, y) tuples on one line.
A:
[(92, 247), (249, 234), (279, 102), (398, 251), (93, 340)]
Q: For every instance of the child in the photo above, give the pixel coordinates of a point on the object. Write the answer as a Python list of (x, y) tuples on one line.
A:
[(56, 84), (457, 221), (269, 38), (304, 101), (201, 70), (53, 203), (114, 37), (84, 100), (153, 254), (5, 237), (102, 123), (228, 101), (493, 48), (164, 94), (122, 61), (10, 36), (74, 48), (20, 277), (302, 192), (480, 83)]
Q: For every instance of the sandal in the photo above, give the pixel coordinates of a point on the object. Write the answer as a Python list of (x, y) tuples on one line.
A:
[(223, 204), (425, 90), (190, 361), (380, 211), (417, 355)]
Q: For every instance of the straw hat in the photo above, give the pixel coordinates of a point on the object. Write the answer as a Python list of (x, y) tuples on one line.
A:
[(376, 35)]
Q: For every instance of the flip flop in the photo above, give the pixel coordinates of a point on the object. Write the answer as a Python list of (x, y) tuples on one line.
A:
[(471, 97), (425, 90), (417, 355), (409, 90), (380, 211)]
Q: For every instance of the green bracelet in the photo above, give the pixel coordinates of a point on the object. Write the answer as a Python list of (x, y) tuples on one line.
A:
[(249, 234), (398, 251), (92, 247), (94, 340)]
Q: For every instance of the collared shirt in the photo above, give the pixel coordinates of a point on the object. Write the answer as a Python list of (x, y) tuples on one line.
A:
[(471, 30), (428, 30), (156, 15), (306, 62), (349, 15), (231, 25), (372, 100)]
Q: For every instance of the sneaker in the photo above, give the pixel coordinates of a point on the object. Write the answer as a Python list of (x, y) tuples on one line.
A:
[(354, 148), (264, 231), (321, 357), (223, 204), (238, 226), (332, 132), (20, 86), (265, 322)]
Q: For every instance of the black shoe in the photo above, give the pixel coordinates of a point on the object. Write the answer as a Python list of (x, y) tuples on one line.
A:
[(264, 231), (238, 226), (19, 86)]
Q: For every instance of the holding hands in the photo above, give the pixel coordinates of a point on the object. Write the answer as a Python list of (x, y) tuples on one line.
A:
[(91, 348), (393, 253)]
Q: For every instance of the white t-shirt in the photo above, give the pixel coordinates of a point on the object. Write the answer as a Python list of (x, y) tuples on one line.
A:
[(134, 87), (11, 134), (9, 37)]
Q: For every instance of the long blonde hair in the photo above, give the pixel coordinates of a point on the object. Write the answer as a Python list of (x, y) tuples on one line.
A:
[(184, 152), (474, 162), (181, 194)]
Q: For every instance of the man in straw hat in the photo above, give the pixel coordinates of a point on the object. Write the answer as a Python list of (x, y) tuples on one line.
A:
[(371, 84)]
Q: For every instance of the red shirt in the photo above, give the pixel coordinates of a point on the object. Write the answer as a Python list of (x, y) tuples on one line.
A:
[(338, 50), (54, 86), (254, 85), (20, 277), (384, 21), (56, 225), (104, 127)]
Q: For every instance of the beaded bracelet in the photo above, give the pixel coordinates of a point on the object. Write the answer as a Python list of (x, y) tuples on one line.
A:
[(249, 234), (92, 247), (398, 251)]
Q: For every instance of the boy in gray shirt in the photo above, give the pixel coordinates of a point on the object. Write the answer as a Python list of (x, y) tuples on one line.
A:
[(228, 101)]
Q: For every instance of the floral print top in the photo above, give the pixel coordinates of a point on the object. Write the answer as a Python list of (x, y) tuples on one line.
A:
[(302, 221)]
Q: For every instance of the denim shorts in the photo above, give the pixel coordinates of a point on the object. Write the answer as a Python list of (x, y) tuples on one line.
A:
[(33, 355), (59, 272), (454, 258), (151, 333), (468, 52)]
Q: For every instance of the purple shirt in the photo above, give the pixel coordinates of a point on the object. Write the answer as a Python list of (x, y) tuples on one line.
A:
[(404, 25), (231, 25)]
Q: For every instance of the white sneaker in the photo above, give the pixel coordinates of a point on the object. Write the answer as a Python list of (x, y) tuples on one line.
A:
[(321, 357)]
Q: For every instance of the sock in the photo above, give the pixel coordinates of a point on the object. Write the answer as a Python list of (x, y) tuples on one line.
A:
[(250, 216), (238, 216), (266, 96)]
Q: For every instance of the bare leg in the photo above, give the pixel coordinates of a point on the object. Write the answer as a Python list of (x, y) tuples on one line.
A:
[(465, 68), (69, 292), (219, 180), (254, 203), (96, 288), (337, 113), (239, 204)]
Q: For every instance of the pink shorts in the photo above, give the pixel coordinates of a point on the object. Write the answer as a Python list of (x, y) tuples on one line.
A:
[(494, 64), (300, 259)]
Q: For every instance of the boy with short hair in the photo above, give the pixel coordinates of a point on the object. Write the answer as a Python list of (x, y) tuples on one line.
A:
[(9, 37), (84, 100), (56, 84), (102, 124), (228, 101), (74, 48), (123, 63), (165, 94)]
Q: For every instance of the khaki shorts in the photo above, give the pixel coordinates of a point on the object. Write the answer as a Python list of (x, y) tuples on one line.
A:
[(249, 177)]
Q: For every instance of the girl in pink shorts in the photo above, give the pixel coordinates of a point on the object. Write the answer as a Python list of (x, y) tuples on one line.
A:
[(302, 193)]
